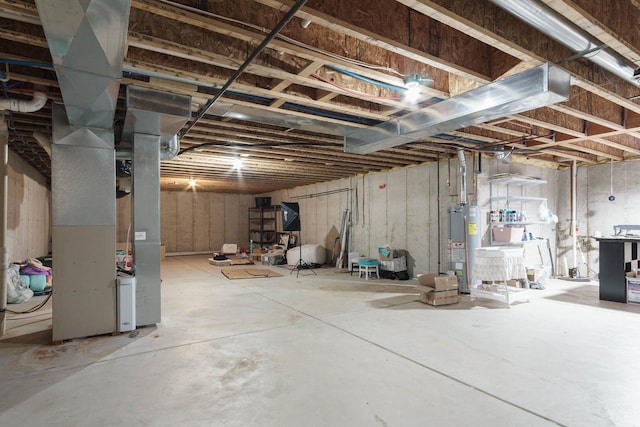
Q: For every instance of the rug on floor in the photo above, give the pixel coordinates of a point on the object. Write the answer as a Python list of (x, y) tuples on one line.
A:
[(249, 273)]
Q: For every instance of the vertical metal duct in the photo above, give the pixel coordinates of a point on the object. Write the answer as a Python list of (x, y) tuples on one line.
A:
[(463, 177), (86, 39), (547, 21), (152, 121)]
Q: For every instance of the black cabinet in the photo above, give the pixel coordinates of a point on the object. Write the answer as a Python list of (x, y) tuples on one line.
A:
[(618, 256)]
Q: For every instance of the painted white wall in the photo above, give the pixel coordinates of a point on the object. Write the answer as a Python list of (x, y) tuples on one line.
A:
[(29, 211)]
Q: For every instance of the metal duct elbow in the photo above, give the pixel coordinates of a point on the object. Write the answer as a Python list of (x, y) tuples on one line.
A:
[(170, 149), (23, 105), (463, 177)]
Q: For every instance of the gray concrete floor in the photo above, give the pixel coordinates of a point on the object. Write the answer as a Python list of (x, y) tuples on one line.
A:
[(332, 350)]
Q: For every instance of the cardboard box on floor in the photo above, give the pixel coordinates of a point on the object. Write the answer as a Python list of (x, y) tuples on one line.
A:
[(453, 292), (438, 290), (437, 282), (431, 300)]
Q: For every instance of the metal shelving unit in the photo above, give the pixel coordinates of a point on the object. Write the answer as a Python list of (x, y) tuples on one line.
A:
[(512, 197), (263, 225)]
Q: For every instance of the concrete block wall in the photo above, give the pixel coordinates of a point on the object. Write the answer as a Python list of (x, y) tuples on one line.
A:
[(29, 211)]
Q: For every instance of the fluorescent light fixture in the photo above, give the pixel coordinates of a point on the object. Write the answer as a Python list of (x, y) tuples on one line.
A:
[(534, 88)]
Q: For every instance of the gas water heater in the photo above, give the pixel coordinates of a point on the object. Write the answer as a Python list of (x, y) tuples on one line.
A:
[(464, 239), (464, 233)]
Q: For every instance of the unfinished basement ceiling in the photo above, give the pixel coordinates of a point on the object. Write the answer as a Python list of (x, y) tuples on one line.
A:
[(343, 64)]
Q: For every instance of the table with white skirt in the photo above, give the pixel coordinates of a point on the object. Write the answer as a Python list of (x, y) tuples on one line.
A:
[(493, 267)]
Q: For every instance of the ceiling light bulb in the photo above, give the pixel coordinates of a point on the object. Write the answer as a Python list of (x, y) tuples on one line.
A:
[(192, 183), (412, 93), (237, 163)]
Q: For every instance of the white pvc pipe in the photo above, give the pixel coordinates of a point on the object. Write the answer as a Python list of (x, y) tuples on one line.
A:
[(24, 105)]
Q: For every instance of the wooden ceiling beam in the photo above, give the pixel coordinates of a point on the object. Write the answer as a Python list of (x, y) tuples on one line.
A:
[(509, 35), (372, 34), (217, 26), (214, 82)]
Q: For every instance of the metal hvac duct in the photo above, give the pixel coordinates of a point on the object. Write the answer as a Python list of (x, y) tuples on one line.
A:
[(549, 22), (225, 109), (151, 124), (534, 88), (157, 113), (86, 39)]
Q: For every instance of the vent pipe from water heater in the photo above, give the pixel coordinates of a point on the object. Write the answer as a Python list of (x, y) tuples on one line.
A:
[(463, 177)]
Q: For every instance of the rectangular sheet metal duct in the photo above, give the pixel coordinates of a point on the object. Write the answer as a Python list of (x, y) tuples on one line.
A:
[(152, 117), (86, 39), (534, 88), (83, 219)]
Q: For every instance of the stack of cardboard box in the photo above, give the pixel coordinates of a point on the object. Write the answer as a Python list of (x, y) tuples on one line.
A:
[(438, 290)]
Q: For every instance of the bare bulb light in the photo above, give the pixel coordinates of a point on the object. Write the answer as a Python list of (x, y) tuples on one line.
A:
[(237, 163), (192, 183), (412, 93)]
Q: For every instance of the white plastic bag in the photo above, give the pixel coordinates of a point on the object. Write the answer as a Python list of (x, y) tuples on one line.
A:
[(17, 292)]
